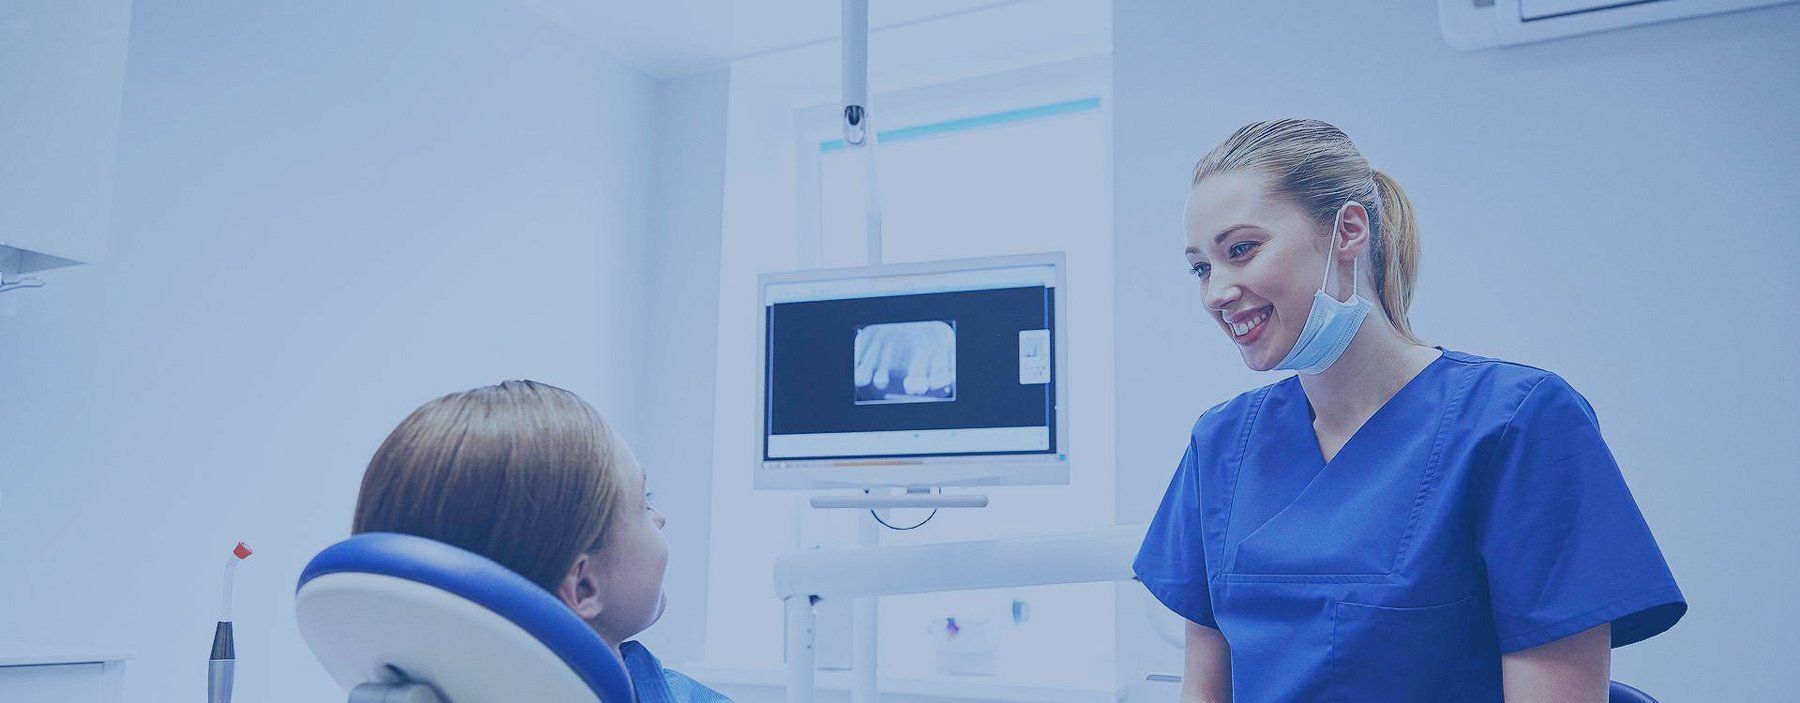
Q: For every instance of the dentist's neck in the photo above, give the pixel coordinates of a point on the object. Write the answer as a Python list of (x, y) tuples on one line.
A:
[(1376, 365)]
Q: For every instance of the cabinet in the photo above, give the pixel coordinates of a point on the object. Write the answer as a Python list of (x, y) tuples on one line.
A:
[(61, 89), (65, 676)]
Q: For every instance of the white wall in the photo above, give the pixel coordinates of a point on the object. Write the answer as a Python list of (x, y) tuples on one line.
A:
[(675, 443), (325, 214), (1617, 208)]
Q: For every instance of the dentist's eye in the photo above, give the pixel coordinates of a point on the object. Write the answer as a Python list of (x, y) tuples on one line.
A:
[(649, 499), (1200, 269), (1241, 248)]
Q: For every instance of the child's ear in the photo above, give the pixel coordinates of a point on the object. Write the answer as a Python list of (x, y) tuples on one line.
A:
[(580, 588)]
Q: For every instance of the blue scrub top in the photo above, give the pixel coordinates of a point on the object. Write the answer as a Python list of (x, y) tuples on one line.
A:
[(1477, 512)]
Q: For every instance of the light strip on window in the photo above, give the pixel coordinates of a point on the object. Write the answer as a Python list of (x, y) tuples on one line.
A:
[(967, 123)]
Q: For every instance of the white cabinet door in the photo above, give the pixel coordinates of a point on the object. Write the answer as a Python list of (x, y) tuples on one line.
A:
[(64, 683)]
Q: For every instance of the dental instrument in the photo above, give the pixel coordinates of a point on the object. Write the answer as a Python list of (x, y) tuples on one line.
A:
[(221, 668)]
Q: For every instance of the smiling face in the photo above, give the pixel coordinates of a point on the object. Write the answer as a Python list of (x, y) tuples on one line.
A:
[(1259, 259)]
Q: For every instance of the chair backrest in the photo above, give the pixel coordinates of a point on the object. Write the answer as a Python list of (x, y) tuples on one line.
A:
[(1621, 693), (386, 608)]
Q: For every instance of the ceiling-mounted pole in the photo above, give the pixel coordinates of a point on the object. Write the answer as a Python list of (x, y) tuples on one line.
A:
[(865, 618), (859, 131), (856, 71)]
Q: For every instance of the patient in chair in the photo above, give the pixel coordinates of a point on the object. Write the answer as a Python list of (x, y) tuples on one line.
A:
[(531, 476)]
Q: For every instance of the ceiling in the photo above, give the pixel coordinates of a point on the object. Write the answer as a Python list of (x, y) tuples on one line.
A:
[(670, 38)]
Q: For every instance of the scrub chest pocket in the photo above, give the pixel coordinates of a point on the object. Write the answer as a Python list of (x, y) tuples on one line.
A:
[(1373, 647)]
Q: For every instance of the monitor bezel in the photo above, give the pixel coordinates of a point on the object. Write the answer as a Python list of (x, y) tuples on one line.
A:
[(1020, 469)]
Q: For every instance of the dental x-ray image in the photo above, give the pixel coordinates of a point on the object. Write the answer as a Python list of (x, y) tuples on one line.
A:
[(906, 362)]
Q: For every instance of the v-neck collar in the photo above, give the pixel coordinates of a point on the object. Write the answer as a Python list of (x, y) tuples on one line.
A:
[(1285, 464), (1399, 395)]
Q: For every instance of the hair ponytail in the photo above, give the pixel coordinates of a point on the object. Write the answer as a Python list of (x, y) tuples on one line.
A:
[(1396, 253)]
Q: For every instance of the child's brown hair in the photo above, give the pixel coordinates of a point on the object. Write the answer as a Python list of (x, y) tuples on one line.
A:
[(521, 472)]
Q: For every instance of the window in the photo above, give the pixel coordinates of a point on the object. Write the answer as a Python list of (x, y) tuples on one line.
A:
[(1010, 164)]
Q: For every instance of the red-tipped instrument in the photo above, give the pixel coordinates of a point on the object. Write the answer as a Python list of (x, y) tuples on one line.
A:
[(220, 670)]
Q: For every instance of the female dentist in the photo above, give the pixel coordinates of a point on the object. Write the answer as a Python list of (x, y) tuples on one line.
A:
[(1398, 522)]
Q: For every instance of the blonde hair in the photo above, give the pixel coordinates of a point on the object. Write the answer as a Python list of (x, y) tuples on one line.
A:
[(523, 473), (1316, 166)]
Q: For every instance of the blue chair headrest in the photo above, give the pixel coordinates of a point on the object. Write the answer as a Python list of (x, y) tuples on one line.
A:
[(1621, 693), (365, 589)]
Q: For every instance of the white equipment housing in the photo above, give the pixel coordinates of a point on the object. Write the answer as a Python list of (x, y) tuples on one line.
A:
[(1481, 24)]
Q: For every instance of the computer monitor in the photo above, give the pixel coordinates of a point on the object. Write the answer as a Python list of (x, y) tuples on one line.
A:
[(947, 373)]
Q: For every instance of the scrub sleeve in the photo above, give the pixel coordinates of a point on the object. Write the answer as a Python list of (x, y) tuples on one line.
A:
[(1564, 544), (1172, 562)]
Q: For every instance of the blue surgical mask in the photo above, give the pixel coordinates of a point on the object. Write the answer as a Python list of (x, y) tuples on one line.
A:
[(1331, 324)]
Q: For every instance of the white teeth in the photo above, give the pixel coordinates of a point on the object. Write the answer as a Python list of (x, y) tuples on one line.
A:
[(1239, 329)]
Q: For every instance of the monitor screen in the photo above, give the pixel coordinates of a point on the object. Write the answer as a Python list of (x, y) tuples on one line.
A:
[(951, 361)]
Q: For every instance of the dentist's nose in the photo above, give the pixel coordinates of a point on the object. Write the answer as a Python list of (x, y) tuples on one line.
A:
[(1220, 295)]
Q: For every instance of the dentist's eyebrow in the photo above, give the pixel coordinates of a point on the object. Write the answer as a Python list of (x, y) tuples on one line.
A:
[(1220, 237)]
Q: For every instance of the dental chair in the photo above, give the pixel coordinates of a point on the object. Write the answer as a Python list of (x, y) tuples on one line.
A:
[(402, 619), (1621, 693)]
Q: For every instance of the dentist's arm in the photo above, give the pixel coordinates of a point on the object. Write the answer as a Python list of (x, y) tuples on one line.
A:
[(1574, 668), (1206, 678)]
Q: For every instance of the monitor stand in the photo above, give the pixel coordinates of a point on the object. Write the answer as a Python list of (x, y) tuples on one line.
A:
[(914, 497)]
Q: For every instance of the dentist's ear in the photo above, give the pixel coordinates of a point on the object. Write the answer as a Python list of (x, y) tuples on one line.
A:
[(1353, 231), (580, 588)]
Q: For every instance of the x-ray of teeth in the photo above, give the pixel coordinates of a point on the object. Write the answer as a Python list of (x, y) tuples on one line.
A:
[(905, 362)]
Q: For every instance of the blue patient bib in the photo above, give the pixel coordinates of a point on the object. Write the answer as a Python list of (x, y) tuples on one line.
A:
[(654, 684)]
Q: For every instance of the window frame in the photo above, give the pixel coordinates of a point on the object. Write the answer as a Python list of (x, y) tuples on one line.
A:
[(1020, 89)]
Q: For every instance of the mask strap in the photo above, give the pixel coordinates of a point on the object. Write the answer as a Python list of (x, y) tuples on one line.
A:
[(1331, 249)]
